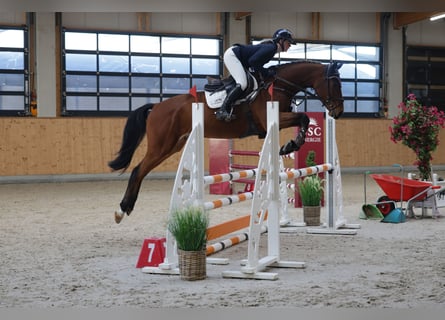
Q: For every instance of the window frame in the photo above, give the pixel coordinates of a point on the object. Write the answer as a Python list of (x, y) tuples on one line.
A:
[(306, 99), (25, 111), (189, 78), (425, 62)]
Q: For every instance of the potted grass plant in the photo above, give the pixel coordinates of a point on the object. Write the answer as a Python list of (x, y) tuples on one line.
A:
[(311, 189), (189, 228)]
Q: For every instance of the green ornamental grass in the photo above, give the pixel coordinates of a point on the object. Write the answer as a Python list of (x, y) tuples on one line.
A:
[(189, 227), (311, 190), (311, 187)]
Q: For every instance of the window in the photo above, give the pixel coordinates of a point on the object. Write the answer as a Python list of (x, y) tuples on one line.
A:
[(13, 71), (113, 73), (425, 67), (360, 75)]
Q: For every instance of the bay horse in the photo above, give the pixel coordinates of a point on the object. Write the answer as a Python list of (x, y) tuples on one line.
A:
[(167, 124)]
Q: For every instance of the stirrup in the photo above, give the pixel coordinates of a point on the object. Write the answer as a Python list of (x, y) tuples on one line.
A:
[(224, 115)]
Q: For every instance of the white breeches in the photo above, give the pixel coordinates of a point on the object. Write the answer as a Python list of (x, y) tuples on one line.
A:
[(235, 68)]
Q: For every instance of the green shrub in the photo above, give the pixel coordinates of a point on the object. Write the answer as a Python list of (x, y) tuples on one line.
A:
[(189, 227), (310, 159), (311, 190)]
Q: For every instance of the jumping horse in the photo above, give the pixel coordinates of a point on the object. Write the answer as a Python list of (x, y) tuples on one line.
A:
[(167, 124)]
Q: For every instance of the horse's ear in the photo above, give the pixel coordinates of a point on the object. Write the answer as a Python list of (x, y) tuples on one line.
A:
[(336, 65), (333, 67)]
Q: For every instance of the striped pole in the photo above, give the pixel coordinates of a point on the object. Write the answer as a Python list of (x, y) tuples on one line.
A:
[(250, 183), (228, 200), (288, 174), (256, 154), (223, 177), (298, 173), (227, 243)]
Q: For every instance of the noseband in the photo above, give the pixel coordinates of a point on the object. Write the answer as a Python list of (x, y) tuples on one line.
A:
[(330, 102)]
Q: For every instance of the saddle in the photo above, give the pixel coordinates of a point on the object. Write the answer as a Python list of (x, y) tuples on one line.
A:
[(216, 90)]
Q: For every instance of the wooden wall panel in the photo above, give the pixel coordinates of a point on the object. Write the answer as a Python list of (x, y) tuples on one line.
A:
[(33, 146), (62, 145), (361, 143)]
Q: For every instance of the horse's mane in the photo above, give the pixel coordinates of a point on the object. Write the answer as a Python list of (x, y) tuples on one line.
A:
[(331, 68), (281, 66)]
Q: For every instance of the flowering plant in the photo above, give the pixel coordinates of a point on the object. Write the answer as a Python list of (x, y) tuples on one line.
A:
[(418, 128)]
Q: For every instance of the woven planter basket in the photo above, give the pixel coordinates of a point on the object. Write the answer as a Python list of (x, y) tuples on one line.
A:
[(311, 215), (192, 265)]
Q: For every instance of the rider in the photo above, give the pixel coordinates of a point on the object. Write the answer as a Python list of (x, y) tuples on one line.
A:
[(240, 58)]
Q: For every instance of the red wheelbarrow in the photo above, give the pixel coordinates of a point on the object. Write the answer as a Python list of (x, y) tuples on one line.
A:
[(398, 189)]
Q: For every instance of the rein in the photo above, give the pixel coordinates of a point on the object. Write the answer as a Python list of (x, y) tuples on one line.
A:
[(327, 103)]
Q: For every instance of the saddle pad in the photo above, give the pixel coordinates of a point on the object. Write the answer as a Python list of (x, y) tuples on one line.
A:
[(215, 99)]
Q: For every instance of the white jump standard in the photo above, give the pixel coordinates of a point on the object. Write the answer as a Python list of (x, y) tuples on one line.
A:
[(335, 221), (268, 200)]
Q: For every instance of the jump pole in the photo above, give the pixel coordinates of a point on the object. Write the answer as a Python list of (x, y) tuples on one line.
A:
[(225, 228)]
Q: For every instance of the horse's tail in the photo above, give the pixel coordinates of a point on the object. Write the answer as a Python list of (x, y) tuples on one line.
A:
[(134, 132)]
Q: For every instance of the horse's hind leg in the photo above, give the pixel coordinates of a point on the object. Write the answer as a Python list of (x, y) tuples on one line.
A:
[(131, 194), (150, 161), (300, 120), (134, 184)]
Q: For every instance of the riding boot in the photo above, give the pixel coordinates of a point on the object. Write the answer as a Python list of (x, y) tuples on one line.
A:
[(224, 112)]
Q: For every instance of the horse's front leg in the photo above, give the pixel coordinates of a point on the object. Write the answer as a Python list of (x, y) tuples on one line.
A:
[(290, 119)]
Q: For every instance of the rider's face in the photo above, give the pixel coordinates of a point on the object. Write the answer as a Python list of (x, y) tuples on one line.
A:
[(285, 45)]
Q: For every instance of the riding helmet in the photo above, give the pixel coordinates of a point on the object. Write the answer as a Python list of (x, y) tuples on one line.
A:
[(284, 34)]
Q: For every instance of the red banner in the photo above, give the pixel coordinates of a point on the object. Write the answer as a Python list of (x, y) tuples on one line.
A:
[(219, 162), (314, 142)]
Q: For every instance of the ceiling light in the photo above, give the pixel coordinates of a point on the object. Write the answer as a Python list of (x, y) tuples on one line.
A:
[(437, 17)]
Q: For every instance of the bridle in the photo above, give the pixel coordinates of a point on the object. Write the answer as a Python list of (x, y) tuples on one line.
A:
[(330, 102)]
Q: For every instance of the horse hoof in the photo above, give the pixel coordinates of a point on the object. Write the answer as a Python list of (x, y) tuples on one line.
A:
[(118, 216), (289, 147), (284, 150)]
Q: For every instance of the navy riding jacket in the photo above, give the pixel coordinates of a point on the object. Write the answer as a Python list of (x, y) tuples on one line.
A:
[(255, 56)]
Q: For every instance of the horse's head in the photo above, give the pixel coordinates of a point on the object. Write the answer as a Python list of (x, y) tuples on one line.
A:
[(328, 90), (324, 79)]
